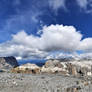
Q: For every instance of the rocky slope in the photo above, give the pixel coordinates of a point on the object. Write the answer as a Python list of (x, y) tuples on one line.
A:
[(76, 68), (7, 63), (54, 76)]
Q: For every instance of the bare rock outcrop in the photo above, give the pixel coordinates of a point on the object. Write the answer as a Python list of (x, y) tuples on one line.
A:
[(54, 66), (75, 67), (27, 68), (80, 68), (7, 63), (53, 63)]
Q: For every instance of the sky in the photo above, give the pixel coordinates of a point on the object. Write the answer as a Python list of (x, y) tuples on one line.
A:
[(43, 29)]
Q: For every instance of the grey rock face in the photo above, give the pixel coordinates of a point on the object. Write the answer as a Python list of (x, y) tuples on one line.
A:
[(8, 63), (53, 63), (73, 67)]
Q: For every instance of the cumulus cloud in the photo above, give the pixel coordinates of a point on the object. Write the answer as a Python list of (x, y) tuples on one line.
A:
[(51, 39), (86, 45), (59, 37), (20, 51)]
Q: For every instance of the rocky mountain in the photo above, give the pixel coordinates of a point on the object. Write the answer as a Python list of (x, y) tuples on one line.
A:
[(73, 67), (7, 63)]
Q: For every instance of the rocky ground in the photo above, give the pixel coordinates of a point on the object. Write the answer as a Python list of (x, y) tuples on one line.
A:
[(54, 76), (12, 82)]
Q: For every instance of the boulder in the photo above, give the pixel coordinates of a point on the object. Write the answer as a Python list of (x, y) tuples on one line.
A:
[(7, 63)]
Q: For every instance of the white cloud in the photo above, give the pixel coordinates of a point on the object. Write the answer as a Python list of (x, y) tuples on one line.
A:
[(82, 3), (86, 5), (20, 51), (56, 4), (86, 45), (86, 55), (59, 37), (60, 55), (52, 39)]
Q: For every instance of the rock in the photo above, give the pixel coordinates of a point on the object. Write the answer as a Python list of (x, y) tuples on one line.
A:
[(7, 63), (72, 67), (53, 66), (53, 63), (53, 70), (84, 68), (77, 68), (27, 68)]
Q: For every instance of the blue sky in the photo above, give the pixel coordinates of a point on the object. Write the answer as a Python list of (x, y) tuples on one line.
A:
[(15, 15), (30, 16)]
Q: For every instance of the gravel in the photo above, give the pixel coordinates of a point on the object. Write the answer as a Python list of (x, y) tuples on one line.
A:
[(10, 82)]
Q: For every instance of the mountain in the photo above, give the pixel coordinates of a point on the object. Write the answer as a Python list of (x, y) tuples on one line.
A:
[(7, 63)]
